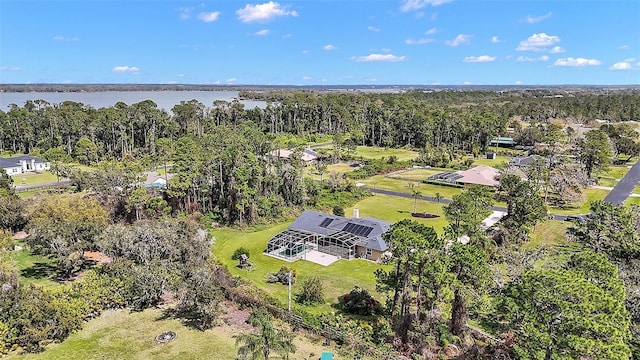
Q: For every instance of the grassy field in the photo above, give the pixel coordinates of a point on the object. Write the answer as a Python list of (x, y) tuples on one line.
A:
[(612, 176), (340, 168), (34, 179), (123, 335), (417, 175), (385, 183), (374, 152), (591, 195), (497, 162), (369, 152), (34, 269), (394, 209), (548, 234)]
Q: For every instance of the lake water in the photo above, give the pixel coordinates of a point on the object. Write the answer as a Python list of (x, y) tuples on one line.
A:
[(165, 99)]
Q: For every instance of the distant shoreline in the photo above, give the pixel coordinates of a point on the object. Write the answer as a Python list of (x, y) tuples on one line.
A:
[(365, 88)]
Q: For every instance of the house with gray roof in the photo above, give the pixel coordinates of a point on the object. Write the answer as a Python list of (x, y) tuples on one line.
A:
[(23, 164), (345, 238)]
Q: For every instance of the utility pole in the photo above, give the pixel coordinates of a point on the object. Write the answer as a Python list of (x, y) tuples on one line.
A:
[(290, 274)]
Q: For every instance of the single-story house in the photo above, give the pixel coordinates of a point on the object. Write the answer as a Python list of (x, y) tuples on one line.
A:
[(345, 238), (479, 175), (308, 155), (522, 160), (502, 141), (23, 164), (154, 180)]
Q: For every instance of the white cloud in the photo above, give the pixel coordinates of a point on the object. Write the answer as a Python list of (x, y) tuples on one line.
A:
[(263, 12), (305, 52), (624, 47), (329, 47), (538, 42), (379, 58), (408, 5), (479, 59), (231, 80), (62, 38), (10, 68), (466, 83), (373, 28), (529, 59), (557, 50), (578, 62), (185, 13), (518, 82), (495, 39), (306, 78), (535, 19), (432, 31), (459, 40), (126, 69), (627, 64), (209, 16), (287, 36), (263, 32), (418, 41)]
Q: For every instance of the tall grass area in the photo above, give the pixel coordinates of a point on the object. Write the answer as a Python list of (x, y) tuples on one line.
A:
[(124, 335)]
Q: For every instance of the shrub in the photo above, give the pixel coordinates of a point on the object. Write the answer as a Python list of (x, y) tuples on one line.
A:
[(338, 211), (359, 301), (239, 251), (311, 292), (282, 276)]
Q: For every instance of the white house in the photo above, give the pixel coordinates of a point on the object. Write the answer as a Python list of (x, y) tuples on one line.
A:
[(23, 164)]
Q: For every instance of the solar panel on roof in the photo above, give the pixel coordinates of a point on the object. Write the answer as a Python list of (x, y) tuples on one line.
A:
[(359, 230), (326, 222)]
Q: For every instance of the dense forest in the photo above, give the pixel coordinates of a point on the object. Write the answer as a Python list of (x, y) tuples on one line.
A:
[(577, 301)]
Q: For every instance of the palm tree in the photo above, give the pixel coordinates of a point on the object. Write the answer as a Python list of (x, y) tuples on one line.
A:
[(259, 345), (416, 194), (438, 197)]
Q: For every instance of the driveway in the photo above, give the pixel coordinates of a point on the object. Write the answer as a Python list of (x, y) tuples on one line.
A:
[(623, 189)]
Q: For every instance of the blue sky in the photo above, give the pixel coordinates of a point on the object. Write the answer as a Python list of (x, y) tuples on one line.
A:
[(321, 42)]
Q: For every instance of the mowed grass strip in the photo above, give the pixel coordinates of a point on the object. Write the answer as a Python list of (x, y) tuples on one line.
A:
[(124, 335)]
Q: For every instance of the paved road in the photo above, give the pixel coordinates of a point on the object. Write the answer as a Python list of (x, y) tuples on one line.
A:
[(448, 201), (623, 189), (45, 185)]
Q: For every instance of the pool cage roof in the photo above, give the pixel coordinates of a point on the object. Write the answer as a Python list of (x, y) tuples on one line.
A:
[(326, 233)]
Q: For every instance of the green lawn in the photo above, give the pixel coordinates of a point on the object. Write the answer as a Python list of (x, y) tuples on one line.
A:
[(371, 152), (34, 179), (394, 209), (417, 175), (35, 269), (341, 168), (123, 335), (499, 161), (548, 233), (584, 208), (612, 176), (384, 183), (632, 201), (339, 277)]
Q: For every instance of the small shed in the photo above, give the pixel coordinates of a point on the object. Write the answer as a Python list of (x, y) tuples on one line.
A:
[(491, 155)]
